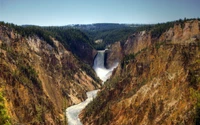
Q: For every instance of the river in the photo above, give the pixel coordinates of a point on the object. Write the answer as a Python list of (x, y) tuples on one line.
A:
[(72, 112)]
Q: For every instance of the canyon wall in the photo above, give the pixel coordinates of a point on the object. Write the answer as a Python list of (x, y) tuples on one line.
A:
[(156, 83), (39, 81)]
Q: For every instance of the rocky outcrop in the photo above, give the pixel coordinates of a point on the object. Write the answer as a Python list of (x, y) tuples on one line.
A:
[(178, 34), (40, 81), (113, 55), (137, 42), (159, 85)]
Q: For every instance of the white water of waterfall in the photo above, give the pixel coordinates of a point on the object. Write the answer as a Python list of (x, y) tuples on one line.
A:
[(99, 67), (73, 112)]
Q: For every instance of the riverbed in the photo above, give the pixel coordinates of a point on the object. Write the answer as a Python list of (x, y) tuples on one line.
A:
[(73, 112)]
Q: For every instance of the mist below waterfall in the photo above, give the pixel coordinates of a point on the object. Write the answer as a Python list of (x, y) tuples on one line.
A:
[(102, 72)]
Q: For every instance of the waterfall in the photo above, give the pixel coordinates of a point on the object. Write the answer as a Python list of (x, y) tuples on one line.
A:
[(99, 67), (72, 112)]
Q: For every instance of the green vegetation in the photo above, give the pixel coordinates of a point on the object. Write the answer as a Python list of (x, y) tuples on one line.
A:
[(195, 93), (158, 29), (98, 106), (127, 59), (196, 96), (30, 31), (91, 72), (28, 73), (111, 36), (136, 88), (68, 36), (111, 83), (27, 76), (108, 32), (111, 33), (4, 118), (158, 44), (24, 73), (101, 102), (191, 62), (72, 39)]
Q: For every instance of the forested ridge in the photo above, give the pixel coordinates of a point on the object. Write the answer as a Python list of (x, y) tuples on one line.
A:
[(108, 32)]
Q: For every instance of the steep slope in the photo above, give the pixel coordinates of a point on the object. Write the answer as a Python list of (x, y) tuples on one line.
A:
[(76, 41), (157, 82), (113, 54), (38, 80)]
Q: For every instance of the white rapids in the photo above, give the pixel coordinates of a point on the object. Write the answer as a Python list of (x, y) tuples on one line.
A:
[(99, 67), (73, 112)]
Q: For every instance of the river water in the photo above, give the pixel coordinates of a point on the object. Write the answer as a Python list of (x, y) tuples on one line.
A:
[(72, 112)]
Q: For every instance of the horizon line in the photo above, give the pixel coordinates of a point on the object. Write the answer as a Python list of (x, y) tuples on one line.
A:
[(197, 18)]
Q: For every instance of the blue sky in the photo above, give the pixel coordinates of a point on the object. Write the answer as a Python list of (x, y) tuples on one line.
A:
[(63, 12)]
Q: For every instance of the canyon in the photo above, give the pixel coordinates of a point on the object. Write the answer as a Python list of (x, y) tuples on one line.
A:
[(103, 73), (149, 77)]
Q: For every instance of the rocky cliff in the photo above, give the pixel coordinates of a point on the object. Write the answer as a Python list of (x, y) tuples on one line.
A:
[(156, 83), (135, 43), (39, 81), (113, 54)]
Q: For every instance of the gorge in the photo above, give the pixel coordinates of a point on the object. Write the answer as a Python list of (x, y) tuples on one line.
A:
[(148, 76), (73, 112)]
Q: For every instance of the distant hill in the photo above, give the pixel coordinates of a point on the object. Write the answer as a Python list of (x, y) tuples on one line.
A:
[(107, 32)]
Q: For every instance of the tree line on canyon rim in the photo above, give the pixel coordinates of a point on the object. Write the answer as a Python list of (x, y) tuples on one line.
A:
[(109, 34)]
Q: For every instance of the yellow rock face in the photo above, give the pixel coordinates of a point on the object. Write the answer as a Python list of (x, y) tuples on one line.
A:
[(40, 82), (155, 87)]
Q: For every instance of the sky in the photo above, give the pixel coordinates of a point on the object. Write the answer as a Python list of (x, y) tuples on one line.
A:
[(64, 12)]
